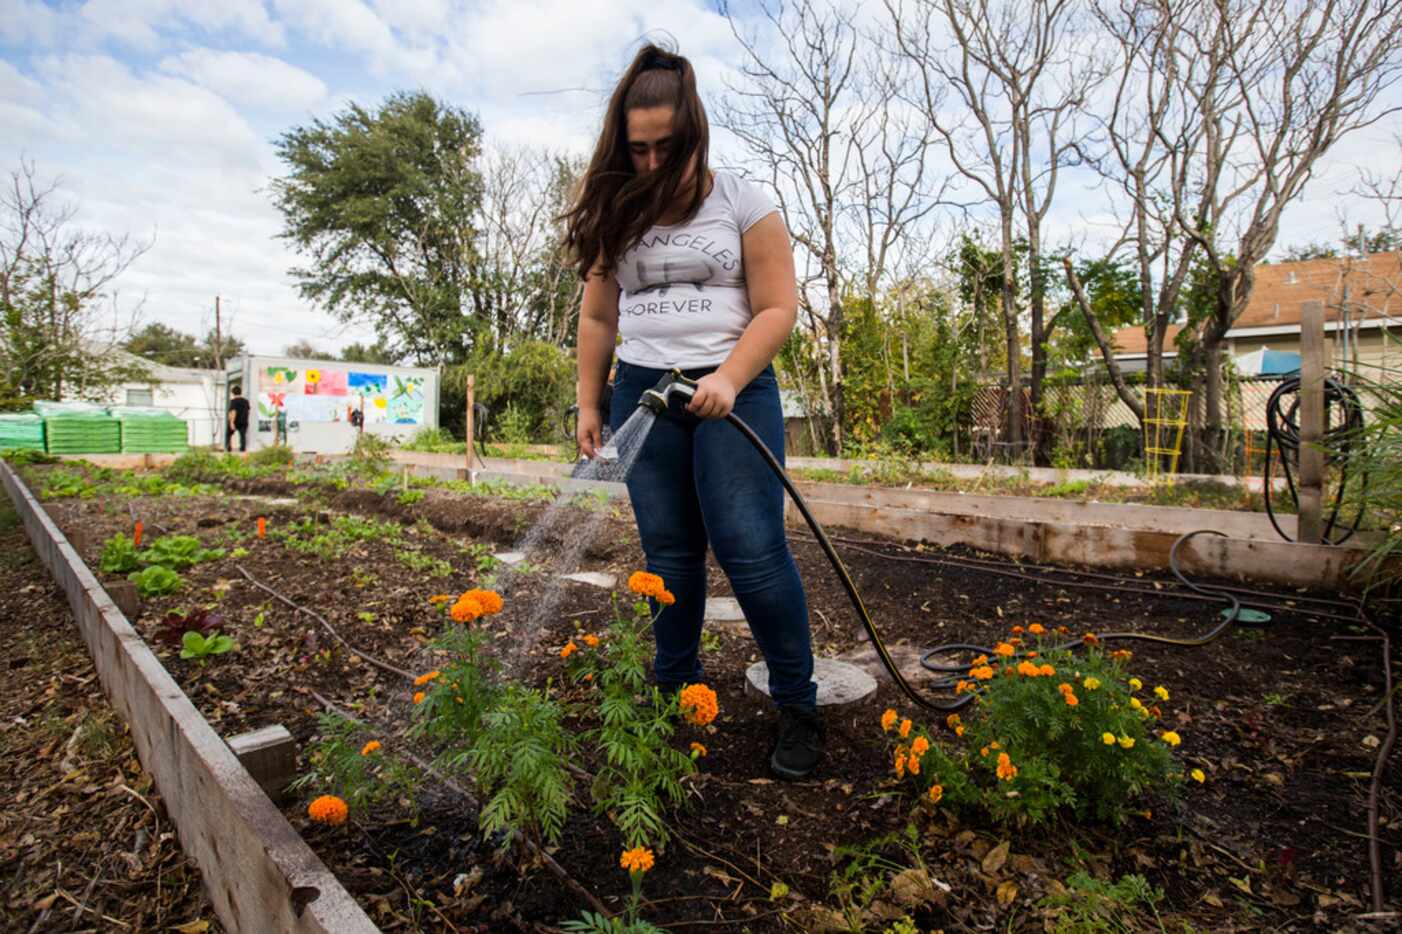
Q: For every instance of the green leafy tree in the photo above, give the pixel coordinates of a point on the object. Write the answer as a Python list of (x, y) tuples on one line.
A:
[(306, 350), (381, 203), (368, 353), (161, 343)]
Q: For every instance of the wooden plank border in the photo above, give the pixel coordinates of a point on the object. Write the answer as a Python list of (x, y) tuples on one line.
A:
[(260, 874)]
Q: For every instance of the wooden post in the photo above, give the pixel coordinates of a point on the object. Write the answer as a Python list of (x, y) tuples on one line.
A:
[(471, 402), (1311, 421)]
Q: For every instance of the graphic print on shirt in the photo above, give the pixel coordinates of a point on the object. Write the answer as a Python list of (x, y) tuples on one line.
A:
[(687, 269)]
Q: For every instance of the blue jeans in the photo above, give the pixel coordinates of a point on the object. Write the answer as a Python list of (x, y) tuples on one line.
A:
[(701, 481)]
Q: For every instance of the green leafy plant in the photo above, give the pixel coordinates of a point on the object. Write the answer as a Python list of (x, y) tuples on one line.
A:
[(274, 456), (1086, 905), (409, 497), (425, 564), (175, 624), (63, 483), (199, 647), (119, 555), (344, 762), (1049, 732), (179, 552), (156, 581)]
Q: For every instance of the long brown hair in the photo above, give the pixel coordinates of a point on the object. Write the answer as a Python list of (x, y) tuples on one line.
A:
[(615, 205)]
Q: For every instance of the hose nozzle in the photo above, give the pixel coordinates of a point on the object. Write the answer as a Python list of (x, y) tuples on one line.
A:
[(658, 397)]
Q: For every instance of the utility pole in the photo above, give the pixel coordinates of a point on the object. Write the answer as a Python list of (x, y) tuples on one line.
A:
[(218, 338)]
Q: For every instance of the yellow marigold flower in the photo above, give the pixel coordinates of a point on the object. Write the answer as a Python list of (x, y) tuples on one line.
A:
[(328, 809), (952, 720), (1135, 684), (440, 598), (1004, 649), (1047, 671), (666, 598), (1143, 713), (698, 704), (648, 585), (370, 747), (936, 793), (1136, 703), (1161, 692), (638, 859), (888, 719), (591, 640), (1071, 699), (697, 751), (1091, 683), (419, 697), (904, 731), (1036, 629), (1198, 776), (982, 673), (1006, 770), (421, 680), (1127, 742), (1170, 737), (569, 649), (920, 746), (1107, 738)]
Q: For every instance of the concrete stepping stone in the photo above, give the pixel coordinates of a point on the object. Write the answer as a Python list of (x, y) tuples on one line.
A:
[(724, 609), (594, 578), (511, 557), (838, 682)]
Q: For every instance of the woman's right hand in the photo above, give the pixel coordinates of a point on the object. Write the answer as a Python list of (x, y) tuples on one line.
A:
[(589, 430)]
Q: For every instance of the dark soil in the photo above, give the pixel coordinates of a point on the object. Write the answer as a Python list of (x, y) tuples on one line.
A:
[(85, 844), (1279, 718)]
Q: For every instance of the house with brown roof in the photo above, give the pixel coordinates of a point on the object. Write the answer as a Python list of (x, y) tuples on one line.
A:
[(1362, 314)]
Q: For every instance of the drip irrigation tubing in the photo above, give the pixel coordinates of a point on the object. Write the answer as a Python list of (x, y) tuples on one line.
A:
[(1283, 432)]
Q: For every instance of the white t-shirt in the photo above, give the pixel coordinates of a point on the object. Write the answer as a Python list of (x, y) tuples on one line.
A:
[(682, 300)]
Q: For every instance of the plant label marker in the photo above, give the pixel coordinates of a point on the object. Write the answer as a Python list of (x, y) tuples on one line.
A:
[(136, 534), (262, 527)]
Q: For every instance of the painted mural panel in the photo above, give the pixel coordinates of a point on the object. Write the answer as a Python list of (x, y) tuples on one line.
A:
[(325, 381), (406, 400)]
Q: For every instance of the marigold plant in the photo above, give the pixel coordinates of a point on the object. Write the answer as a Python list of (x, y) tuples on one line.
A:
[(698, 704), (328, 809)]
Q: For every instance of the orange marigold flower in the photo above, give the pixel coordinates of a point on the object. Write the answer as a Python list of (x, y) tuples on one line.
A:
[(1004, 649), (697, 751), (920, 746), (465, 611), (1028, 669), (1017, 630), (569, 649), (1006, 770), (952, 720), (1031, 654), (419, 697), (1064, 688), (1036, 629), (982, 673), (888, 719), (981, 660), (648, 585), (666, 598), (421, 680), (698, 704), (1064, 630), (936, 793), (638, 859), (1071, 699), (959, 730), (328, 809), (905, 728), (591, 640), (370, 747), (962, 686), (1046, 670), (1090, 639), (983, 752), (440, 598), (1122, 655), (913, 764)]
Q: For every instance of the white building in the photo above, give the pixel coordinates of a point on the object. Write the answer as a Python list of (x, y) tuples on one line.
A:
[(197, 396)]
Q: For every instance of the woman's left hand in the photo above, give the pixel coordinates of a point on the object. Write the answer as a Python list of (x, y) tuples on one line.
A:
[(714, 396)]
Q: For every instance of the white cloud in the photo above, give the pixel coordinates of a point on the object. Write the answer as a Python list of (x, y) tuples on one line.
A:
[(28, 23), (249, 79)]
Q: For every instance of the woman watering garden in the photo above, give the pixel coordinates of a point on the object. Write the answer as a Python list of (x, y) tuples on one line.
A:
[(693, 270)]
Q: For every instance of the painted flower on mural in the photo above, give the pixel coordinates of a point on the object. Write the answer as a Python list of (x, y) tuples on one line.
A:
[(313, 377)]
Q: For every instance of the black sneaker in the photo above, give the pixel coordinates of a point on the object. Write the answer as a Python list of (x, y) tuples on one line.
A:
[(800, 743)]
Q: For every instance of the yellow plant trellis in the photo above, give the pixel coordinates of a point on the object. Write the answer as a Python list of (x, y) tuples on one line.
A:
[(1165, 418)]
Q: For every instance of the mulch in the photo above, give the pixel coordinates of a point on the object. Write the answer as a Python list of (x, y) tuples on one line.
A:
[(1284, 721)]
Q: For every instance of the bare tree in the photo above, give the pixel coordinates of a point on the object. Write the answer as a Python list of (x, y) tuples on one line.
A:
[(1020, 75), (821, 122), (60, 321), (1304, 75), (519, 271)]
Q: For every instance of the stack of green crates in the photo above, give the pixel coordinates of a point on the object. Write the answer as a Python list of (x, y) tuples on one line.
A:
[(151, 431), (79, 428), (21, 431)]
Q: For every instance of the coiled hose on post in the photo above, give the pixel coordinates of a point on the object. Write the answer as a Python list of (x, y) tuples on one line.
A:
[(1283, 433)]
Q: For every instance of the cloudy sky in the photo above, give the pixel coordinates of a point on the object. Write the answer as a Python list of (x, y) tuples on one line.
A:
[(158, 118)]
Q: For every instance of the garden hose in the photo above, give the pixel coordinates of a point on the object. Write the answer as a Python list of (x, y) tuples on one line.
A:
[(1283, 432)]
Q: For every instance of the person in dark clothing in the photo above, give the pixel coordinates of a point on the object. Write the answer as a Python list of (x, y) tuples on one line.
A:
[(238, 421)]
